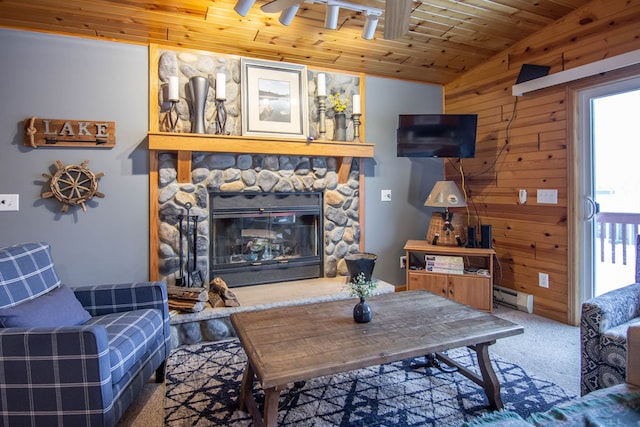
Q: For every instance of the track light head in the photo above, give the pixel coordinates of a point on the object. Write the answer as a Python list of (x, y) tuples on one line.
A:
[(370, 26), (286, 16), (331, 16), (242, 6)]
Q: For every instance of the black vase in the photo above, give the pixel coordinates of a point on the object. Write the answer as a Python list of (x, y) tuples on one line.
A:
[(362, 312), (360, 262)]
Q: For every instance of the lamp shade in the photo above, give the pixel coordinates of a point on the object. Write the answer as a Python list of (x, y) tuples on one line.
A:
[(445, 194)]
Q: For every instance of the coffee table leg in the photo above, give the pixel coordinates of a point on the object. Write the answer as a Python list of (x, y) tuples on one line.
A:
[(246, 389), (489, 378), (271, 401), (247, 403)]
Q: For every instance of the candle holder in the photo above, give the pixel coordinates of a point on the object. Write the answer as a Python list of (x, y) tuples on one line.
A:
[(322, 108), (221, 117), (173, 115), (356, 126)]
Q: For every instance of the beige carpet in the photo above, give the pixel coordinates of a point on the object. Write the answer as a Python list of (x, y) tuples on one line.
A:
[(548, 349), (148, 409)]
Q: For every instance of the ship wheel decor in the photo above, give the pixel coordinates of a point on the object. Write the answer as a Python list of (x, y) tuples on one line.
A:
[(73, 185)]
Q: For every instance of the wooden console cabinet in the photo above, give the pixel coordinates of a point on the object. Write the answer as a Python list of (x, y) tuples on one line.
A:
[(474, 289)]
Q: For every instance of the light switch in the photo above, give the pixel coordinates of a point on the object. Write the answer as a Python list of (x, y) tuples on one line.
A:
[(548, 197), (9, 202), (385, 195)]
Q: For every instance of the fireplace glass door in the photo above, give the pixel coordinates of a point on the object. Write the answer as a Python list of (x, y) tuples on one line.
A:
[(266, 237)]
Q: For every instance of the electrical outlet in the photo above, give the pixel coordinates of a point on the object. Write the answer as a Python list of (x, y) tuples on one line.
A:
[(403, 261), (385, 195), (9, 202), (543, 280)]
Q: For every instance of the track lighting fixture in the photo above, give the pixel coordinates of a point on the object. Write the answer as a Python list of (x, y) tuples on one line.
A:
[(331, 16), (286, 16), (243, 6), (289, 8), (370, 26)]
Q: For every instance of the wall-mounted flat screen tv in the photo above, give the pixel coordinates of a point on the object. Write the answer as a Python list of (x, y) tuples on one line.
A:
[(437, 135)]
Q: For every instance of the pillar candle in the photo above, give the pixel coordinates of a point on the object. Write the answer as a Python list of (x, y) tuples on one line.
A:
[(173, 89), (322, 85), (356, 104), (221, 82)]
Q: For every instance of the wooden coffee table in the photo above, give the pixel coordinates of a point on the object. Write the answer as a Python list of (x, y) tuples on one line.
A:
[(290, 344)]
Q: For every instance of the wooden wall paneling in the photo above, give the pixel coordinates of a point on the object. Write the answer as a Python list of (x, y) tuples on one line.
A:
[(532, 238), (535, 159)]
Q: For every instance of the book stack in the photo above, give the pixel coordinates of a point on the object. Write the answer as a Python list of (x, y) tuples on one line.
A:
[(444, 264)]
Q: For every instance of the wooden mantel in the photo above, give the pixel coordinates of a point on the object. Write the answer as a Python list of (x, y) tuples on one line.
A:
[(187, 143)]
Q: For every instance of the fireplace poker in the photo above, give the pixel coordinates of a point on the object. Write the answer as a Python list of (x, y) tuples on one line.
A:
[(188, 207), (180, 279), (196, 275)]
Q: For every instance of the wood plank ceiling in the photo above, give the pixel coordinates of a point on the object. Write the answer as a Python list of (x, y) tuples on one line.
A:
[(446, 37)]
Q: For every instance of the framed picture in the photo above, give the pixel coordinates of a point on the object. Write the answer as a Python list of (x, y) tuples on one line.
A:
[(274, 99)]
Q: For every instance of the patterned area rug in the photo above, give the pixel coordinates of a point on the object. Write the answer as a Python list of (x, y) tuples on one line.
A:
[(203, 382)]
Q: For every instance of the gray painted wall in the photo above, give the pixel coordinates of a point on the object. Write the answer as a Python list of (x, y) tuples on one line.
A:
[(60, 77), (73, 78), (388, 225)]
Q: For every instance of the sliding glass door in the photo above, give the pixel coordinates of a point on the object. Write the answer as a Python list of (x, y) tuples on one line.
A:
[(610, 183)]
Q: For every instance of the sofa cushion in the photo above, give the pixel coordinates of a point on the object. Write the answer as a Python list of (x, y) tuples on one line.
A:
[(131, 334), (58, 307), (26, 272), (613, 344), (614, 406), (502, 418)]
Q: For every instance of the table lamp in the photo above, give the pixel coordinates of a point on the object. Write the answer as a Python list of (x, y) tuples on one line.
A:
[(445, 229)]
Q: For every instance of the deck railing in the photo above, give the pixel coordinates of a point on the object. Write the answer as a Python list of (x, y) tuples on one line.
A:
[(617, 228)]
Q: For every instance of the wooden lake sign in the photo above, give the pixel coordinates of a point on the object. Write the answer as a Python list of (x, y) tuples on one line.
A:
[(69, 133)]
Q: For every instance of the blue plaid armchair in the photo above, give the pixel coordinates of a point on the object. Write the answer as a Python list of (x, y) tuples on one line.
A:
[(74, 358)]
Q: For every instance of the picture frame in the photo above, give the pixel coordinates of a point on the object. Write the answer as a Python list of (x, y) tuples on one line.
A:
[(274, 99)]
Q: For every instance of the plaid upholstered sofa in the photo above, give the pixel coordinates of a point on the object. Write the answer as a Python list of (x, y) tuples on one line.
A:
[(613, 406), (604, 322), (74, 357)]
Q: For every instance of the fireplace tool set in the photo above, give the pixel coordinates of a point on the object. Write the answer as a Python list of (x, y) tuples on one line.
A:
[(193, 276)]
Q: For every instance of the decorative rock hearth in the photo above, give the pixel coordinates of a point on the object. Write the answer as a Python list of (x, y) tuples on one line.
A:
[(213, 324), (261, 173)]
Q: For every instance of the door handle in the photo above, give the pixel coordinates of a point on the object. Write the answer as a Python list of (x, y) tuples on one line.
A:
[(595, 208)]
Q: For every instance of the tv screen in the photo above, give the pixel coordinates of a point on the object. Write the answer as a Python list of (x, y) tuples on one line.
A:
[(437, 135)]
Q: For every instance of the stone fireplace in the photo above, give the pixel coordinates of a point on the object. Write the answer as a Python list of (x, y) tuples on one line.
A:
[(338, 230)]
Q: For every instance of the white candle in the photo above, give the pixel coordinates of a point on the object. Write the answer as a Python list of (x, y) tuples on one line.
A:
[(173, 89), (356, 104), (221, 82), (322, 85)]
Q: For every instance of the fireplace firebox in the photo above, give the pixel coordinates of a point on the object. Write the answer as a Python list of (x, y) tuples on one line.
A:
[(259, 238)]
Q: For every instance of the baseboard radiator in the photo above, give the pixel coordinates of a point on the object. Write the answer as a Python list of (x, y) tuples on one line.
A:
[(514, 299)]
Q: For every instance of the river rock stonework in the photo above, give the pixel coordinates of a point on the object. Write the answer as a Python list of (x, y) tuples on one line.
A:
[(186, 64), (257, 173)]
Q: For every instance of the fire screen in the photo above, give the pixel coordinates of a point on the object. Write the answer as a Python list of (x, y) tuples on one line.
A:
[(266, 237)]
